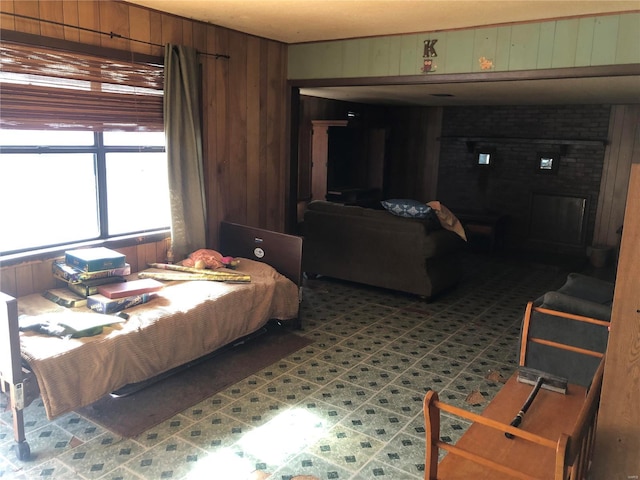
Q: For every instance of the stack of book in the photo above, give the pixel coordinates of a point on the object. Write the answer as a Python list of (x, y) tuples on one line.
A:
[(87, 274)]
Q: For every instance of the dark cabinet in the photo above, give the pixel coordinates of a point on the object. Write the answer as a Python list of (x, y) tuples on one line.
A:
[(347, 162)]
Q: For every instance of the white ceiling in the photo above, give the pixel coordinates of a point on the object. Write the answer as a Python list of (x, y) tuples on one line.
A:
[(296, 21)]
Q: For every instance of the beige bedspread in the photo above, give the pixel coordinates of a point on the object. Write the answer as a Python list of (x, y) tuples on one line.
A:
[(184, 321)]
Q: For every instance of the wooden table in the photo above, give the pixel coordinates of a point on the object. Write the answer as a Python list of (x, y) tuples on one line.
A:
[(550, 414)]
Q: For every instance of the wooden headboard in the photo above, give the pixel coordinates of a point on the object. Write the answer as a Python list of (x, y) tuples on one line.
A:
[(283, 252)]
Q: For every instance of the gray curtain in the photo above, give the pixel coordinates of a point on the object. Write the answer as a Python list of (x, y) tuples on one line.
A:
[(184, 150)]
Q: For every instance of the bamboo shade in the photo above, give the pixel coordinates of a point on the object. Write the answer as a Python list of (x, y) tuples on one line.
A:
[(41, 88)]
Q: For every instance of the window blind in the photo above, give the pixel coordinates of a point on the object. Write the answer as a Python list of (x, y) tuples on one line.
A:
[(42, 88)]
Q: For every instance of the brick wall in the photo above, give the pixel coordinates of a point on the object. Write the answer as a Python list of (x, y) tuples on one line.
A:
[(507, 187)]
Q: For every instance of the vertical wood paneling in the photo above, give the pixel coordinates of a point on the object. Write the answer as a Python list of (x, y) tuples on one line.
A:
[(617, 431), (524, 46), (221, 133), (71, 17), (239, 163), (411, 51), (364, 48), (275, 142), (584, 46), (623, 134), (42, 276), (27, 9), (351, 59), (7, 21), (459, 52), (8, 281), (155, 36), (379, 54), (546, 43), (145, 254), (52, 10), (24, 280), (627, 50), (140, 29), (395, 47), (114, 18), (171, 30), (605, 40), (264, 127), (484, 46), (89, 18), (503, 43), (565, 44), (253, 131)]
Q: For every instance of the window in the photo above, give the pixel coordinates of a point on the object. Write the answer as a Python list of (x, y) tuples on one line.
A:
[(59, 187), (81, 145)]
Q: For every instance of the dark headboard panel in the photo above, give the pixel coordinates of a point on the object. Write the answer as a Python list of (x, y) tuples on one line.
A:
[(283, 252)]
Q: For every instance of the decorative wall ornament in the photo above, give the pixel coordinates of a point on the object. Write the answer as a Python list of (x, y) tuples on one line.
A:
[(485, 63), (428, 56)]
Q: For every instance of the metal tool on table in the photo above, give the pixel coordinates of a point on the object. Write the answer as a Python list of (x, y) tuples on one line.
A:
[(538, 379)]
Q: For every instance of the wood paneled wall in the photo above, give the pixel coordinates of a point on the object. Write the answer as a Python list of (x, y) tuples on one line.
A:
[(623, 139), (244, 98)]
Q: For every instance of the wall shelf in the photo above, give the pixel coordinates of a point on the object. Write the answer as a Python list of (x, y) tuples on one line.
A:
[(546, 141)]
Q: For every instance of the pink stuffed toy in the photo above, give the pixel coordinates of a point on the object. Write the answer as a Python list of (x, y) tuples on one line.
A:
[(205, 258)]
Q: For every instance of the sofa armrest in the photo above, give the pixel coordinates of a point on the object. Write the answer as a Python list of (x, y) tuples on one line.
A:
[(575, 305)]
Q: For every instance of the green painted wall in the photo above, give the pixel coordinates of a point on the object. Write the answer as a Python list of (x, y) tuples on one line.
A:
[(579, 42)]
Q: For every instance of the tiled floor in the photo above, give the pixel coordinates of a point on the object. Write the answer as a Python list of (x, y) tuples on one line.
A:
[(346, 407)]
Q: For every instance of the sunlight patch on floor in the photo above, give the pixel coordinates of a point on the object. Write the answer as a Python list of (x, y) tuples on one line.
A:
[(275, 442)]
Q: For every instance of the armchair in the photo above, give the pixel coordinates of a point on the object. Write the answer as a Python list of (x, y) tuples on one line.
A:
[(576, 315)]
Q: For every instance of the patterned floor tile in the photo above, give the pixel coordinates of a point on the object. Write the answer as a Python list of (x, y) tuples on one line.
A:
[(378, 423), (313, 465), (317, 371), (52, 469), (343, 394), (346, 448), (288, 389), (100, 455), (254, 409), (363, 343), (164, 430), (404, 452), (173, 458), (393, 362), (343, 357), (368, 377), (440, 366), (217, 430), (399, 400), (380, 471)]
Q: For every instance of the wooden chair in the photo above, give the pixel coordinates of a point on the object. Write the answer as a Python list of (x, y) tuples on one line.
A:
[(555, 440)]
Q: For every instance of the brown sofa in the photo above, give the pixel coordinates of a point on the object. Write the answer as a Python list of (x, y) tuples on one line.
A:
[(375, 247)]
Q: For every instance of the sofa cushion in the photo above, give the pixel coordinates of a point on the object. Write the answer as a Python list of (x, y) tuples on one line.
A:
[(588, 288), (404, 207), (447, 219), (575, 305)]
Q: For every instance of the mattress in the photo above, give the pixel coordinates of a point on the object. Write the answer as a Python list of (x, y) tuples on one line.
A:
[(182, 322)]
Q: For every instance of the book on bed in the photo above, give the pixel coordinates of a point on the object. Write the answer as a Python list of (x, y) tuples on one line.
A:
[(101, 304), (65, 297), (73, 275), (132, 287), (90, 287), (94, 259)]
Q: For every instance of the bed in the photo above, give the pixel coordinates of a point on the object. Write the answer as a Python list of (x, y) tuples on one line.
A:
[(186, 320)]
